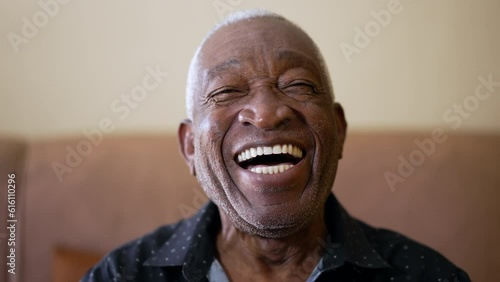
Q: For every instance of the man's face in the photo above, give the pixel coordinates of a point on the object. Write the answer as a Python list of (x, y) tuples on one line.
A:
[(266, 135)]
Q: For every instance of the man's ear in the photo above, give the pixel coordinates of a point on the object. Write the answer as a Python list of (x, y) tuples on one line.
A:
[(185, 137), (341, 125)]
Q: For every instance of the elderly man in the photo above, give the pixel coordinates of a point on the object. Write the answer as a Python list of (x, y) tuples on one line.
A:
[(264, 137)]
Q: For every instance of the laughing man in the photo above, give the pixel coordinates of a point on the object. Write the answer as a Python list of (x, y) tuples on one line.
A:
[(264, 138)]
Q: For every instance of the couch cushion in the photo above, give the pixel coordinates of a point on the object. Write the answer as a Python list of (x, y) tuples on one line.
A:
[(71, 264), (122, 189), (449, 202)]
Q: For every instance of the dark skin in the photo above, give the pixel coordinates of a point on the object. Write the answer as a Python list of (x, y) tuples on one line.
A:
[(260, 84)]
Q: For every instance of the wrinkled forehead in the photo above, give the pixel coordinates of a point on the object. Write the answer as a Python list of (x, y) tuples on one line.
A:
[(251, 38)]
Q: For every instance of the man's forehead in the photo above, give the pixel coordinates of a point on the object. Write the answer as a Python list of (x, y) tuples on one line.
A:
[(229, 46), (262, 32)]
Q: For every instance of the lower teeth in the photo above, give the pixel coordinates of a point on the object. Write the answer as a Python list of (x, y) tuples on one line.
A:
[(271, 169)]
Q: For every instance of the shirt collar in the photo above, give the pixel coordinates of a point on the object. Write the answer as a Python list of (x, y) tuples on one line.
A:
[(346, 241), (192, 244)]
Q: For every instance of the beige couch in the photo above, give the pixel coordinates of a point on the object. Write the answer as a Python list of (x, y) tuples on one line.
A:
[(128, 185)]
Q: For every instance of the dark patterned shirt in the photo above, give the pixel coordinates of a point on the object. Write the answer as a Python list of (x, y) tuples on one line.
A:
[(353, 251)]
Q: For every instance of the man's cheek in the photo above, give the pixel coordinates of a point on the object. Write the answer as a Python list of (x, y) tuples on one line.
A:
[(213, 127)]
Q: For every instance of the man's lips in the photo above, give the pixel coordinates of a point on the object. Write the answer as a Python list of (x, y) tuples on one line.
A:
[(270, 159)]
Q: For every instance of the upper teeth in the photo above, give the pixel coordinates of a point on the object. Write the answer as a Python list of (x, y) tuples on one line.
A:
[(269, 150)]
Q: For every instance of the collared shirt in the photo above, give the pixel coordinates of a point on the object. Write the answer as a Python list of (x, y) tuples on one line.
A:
[(352, 251)]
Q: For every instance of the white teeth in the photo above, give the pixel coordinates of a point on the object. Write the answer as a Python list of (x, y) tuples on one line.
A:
[(281, 168), (253, 152), (297, 152), (268, 150), (271, 169), (276, 149)]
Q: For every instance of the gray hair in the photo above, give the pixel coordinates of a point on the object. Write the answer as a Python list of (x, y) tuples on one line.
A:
[(233, 18)]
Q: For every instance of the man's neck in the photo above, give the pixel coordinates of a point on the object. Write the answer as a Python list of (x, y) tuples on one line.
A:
[(247, 257)]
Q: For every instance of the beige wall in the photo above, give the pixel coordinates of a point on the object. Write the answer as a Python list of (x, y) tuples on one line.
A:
[(68, 76)]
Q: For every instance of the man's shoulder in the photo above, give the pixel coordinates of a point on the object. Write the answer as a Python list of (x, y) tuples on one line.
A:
[(162, 254), (411, 258), (128, 259)]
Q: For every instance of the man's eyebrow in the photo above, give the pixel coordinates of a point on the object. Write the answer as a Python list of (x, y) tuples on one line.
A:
[(296, 59), (222, 67)]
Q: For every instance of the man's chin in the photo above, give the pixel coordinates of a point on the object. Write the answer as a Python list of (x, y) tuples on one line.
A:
[(273, 222), (275, 232)]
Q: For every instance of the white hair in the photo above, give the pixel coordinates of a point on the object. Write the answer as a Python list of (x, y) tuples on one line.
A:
[(233, 18)]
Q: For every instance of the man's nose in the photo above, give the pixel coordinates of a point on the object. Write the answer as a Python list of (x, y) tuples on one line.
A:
[(266, 110)]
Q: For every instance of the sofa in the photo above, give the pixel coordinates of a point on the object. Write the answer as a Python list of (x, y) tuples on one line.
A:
[(78, 198)]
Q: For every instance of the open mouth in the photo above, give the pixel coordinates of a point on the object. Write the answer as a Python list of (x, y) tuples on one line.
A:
[(269, 159)]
